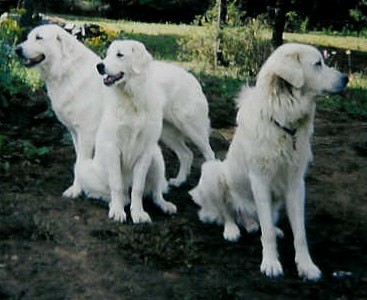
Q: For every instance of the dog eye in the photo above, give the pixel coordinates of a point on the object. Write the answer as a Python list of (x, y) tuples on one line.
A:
[(318, 64), (38, 38), (119, 55)]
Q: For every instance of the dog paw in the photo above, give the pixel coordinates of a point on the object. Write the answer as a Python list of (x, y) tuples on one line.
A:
[(309, 272), (72, 192), (168, 207), (117, 214), (176, 182), (140, 217), (279, 233), (209, 216), (252, 226), (271, 267), (231, 232)]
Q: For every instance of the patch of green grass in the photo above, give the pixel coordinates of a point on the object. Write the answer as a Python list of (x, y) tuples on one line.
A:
[(21, 149), (221, 92), (321, 39), (354, 102), (163, 46)]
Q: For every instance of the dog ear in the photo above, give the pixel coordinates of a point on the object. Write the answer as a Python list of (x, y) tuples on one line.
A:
[(140, 58), (68, 43), (290, 70)]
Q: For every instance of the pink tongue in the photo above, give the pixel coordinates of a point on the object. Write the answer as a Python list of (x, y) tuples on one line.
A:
[(108, 80)]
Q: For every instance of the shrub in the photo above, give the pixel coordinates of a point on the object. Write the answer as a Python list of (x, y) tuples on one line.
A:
[(19, 150), (100, 38), (243, 48), (14, 78), (9, 32)]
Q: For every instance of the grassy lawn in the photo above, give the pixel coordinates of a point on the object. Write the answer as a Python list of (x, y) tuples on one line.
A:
[(341, 42)]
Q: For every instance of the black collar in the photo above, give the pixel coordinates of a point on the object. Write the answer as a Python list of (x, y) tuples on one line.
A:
[(290, 131)]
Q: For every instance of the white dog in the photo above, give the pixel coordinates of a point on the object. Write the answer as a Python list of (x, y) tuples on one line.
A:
[(269, 155), (77, 96), (73, 86), (185, 110), (127, 152)]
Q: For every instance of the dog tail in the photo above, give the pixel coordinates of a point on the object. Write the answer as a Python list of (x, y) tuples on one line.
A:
[(210, 192), (243, 95)]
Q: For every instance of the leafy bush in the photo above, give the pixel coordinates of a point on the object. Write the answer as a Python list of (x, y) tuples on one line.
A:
[(9, 31), (296, 23), (14, 78), (19, 150), (244, 48), (100, 39)]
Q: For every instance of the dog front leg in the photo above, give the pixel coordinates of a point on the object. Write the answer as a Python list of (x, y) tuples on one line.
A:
[(295, 204), (75, 189), (260, 186), (116, 184), (138, 186)]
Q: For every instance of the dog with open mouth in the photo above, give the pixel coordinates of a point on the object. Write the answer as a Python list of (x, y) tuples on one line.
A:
[(78, 96), (128, 162), (185, 110), (73, 85)]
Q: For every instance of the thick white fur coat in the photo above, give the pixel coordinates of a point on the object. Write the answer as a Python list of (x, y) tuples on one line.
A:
[(128, 162), (73, 86), (269, 155)]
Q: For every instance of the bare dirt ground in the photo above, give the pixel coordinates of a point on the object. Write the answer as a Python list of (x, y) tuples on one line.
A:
[(57, 248)]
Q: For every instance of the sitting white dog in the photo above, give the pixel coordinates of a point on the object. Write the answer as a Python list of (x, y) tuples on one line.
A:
[(73, 86), (77, 97), (127, 153), (268, 157)]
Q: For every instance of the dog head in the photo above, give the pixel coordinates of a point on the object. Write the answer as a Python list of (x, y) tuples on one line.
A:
[(301, 67), (45, 45), (124, 59)]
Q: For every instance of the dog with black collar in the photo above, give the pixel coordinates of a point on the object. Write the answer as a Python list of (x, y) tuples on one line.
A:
[(269, 155)]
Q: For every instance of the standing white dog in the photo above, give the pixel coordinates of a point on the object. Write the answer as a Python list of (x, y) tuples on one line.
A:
[(127, 152), (77, 96), (269, 155)]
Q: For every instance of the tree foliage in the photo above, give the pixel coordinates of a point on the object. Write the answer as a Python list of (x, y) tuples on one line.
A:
[(316, 14)]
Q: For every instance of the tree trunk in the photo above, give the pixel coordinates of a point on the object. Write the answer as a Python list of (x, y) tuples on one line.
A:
[(280, 10), (221, 22), (26, 18), (223, 13)]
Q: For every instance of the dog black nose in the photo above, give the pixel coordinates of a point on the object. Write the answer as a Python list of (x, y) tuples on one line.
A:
[(101, 68), (19, 51), (345, 79)]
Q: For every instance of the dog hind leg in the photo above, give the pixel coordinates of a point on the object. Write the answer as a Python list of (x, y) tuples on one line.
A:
[(210, 195), (199, 135), (156, 184), (174, 139)]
